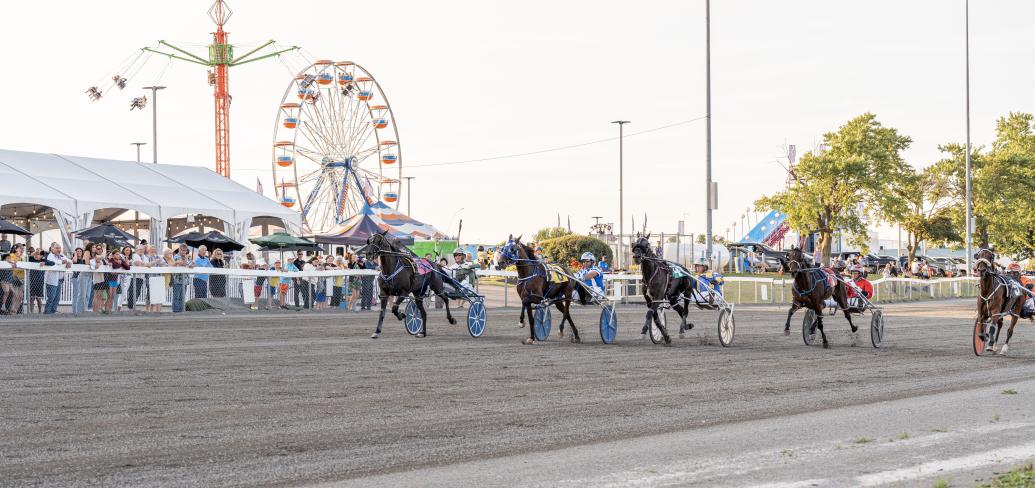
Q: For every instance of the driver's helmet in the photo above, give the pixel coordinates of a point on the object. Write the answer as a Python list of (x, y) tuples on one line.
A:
[(1013, 268), (459, 252), (701, 262), (857, 269), (588, 256)]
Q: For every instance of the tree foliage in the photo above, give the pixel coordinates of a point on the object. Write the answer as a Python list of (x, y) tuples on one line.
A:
[(566, 248), (929, 199), (854, 178), (550, 233)]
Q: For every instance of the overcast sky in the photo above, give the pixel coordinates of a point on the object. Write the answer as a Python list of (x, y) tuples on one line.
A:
[(476, 79)]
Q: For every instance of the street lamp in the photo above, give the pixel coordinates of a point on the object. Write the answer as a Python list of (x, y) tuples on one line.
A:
[(970, 204), (408, 179), (154, 119), (621, 209), (708, 123), (137, 144)]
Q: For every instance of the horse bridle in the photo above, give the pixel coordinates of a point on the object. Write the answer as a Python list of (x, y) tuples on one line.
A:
[(508, 253)]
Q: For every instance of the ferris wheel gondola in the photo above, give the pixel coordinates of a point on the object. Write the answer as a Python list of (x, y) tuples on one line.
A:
[(335, 146)]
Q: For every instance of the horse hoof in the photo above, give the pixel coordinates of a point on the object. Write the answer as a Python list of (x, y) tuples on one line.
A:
[(668, 342), (1002, 351), (452, 321), (375, 335), (689, 326), (521, 325), (682, 335), (855, 329), (826, 345), (528, 341), (643, 336), (787, 332)]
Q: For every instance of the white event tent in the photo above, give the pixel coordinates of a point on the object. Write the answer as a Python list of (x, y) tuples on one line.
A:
[(78, 191)]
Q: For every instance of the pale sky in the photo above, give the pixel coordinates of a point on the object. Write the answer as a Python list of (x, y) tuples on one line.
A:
[(476, 79)]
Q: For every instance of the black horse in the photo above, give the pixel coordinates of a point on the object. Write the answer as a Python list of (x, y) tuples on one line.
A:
[(811, 290), (534, 286), (401, 276), (661, 285)]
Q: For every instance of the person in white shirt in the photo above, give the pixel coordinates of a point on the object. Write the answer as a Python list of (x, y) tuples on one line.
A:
[(54, 279)]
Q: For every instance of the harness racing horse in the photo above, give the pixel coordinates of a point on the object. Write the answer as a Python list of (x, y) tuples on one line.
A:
[(995, 301), (534, 286), (402, 276), (661, 285), (811, 290)]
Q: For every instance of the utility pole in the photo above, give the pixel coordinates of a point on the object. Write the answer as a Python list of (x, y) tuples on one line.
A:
[(136, 214), (621, 209), (408, 180), (970, 203), (708, 123), (154, 119)]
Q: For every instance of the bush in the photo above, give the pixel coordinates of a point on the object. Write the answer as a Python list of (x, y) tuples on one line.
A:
[(567, 248), (547, 233)]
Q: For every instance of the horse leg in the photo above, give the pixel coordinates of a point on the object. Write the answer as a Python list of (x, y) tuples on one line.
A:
[(686, 313), (526, 305), (678, 307), (657, 321), (819, 325), (521, 320), (794, 308), (646, 324), (1009, 334), (842, 301), (381, 317), (565, 307), (395, 306)]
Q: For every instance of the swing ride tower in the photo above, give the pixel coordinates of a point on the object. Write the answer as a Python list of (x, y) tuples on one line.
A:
[(219, 60)]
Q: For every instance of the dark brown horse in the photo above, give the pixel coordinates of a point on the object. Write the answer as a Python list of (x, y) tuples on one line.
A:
[(401, 277), (998, 297), (534, 286), (661, 285), (811, 289)]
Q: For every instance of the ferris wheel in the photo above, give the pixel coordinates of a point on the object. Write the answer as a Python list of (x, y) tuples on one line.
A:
[(335, 145)]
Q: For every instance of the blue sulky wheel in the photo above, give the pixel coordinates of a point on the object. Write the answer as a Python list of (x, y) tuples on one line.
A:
[(608, 324), (413, 321), (543, 322), (808, 334), (476, 318)]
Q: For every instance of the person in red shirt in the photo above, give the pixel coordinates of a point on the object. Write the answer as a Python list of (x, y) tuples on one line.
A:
[(864, 286)]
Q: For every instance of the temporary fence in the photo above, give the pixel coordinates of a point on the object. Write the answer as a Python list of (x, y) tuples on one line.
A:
[(24, 288)]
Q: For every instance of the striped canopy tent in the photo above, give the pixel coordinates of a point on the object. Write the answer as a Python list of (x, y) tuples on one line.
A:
[(356, 231), (402, 223)]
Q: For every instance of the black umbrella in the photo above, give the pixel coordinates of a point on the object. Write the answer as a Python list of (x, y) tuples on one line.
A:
[(182, 238), (214, 240), (9, 228), (106, 234)]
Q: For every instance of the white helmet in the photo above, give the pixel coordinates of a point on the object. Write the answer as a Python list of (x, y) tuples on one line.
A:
[(588, 256)]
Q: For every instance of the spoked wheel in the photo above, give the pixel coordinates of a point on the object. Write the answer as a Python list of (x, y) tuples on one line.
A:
[(655, 332), (808, 334), (543, 322), (981, 338), (877, 328), (476, 318), (414, 322), (727, 327), (608, 324)]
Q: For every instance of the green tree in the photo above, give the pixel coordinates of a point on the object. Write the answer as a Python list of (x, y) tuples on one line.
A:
[(550, 233), (928, 216), (855, 177), (566, 248)]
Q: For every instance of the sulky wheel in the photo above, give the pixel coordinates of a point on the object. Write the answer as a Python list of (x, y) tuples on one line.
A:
[(414, 322), (476, 318), (543, 322), (808, 333), (655, 332), (877, 328), (608, 324), (727, 327)]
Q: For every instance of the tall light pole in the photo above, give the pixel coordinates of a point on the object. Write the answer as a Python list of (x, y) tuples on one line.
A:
[(154, 119), (621, 205), (408, 179), (970, 203), (137, 144), (708, 122)]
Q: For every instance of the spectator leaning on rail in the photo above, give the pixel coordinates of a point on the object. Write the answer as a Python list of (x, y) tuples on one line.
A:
[(181, 259), (201, 280), (464, 270), (55, 278)]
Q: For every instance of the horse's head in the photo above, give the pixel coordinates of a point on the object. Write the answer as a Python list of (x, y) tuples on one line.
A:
[(985, 264), (380, 243), (510, 252), (641, 248), (795, 260)]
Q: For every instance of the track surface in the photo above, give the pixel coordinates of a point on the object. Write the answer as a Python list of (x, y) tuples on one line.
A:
[(298, 399)]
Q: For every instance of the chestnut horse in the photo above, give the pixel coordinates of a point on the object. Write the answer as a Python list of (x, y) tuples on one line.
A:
[(811, 290), (534, 286), (996, 299)]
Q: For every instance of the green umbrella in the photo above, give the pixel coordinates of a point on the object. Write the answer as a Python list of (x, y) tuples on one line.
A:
[(284, 241)]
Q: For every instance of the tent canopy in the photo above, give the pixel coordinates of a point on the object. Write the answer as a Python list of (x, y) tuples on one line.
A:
[(402, 223), (358, 229), (77, 187)]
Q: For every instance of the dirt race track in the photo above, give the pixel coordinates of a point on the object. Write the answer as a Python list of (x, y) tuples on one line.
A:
[(294, 399)]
